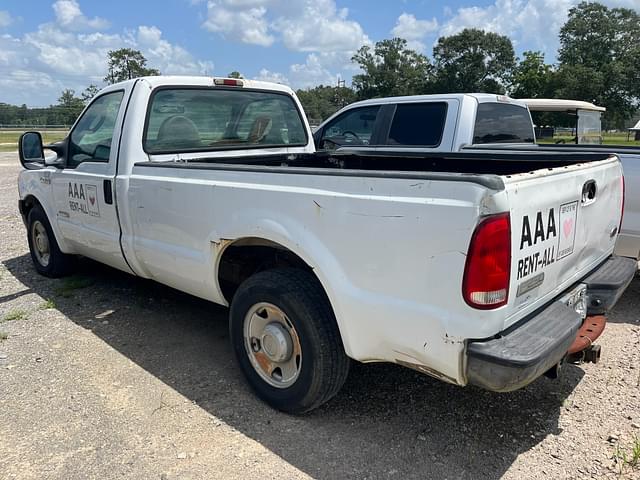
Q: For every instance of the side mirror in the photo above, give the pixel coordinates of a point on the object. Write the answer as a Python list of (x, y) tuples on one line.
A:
[(30, 148)]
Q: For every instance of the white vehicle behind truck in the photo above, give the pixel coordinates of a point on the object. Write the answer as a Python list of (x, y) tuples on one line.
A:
[(481, 268)]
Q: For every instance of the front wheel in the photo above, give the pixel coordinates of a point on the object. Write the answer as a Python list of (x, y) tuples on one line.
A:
[(286, 340), (45, 253)]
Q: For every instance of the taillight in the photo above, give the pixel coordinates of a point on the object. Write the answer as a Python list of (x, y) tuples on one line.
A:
[(228, 82), (486, 272), (622, 212)]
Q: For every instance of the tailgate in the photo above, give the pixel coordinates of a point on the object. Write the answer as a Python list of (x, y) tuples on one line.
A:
[(563, 224)]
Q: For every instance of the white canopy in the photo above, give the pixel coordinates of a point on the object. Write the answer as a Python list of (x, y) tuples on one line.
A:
[(636, 126), (559, 105)]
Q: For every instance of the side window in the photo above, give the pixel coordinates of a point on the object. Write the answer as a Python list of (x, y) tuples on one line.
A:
[(91, 138), (354, 127), (418, 124)]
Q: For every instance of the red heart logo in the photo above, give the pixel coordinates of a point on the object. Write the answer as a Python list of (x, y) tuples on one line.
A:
[(567, 227), (92, 200)]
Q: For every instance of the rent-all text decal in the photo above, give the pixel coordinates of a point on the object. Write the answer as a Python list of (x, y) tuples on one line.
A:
[(546, 238)]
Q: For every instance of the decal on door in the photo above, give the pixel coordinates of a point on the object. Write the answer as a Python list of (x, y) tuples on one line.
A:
[(83, 198), (568, 215)]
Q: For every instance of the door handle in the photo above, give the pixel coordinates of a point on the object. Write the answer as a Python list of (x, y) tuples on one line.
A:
[(589, 191), (108, 193)]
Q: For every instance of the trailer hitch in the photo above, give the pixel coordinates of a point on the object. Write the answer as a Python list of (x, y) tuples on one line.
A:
[(591, 354)]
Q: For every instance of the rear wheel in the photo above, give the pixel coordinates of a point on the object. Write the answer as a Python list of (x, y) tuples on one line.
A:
[(45, 253), (286, 340)]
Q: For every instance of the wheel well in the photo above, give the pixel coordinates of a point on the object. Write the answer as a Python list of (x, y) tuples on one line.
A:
[(245, 257), (28, 203)]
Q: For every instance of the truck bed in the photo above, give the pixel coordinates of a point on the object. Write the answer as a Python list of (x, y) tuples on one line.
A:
[(481, 162)]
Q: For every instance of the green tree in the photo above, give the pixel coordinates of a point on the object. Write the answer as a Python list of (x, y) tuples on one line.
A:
[(473, 61), (322, 101), (532, 78), (69, 107), (125, 64), (599, 52), (390, 69), (235, 74), (89, 92)]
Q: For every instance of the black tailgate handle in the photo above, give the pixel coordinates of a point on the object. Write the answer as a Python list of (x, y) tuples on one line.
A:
[(589, 191), (108, 194)]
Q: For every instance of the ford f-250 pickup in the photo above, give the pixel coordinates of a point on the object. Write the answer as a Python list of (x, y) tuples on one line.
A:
[(476, 268)]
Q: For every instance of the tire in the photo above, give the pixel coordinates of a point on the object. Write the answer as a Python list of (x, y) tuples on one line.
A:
[(308, 319), (45, 252)]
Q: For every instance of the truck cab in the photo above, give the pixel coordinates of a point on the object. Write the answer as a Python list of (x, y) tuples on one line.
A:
[(435, 123)]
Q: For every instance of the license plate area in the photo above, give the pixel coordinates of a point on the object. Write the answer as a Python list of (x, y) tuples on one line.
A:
[(577, 299)]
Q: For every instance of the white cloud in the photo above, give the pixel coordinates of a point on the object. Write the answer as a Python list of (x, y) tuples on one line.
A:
[(248, 25), (324, 68), (5, 19), (302, 26), (168, 58), (414, 30), (37, 66), (269, 76), (532, 22), (311, 73), (69, 16), (317, 27), (321, 27)]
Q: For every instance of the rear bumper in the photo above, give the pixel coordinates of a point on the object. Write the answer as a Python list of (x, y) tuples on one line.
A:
[(607, 283), (527, 350)]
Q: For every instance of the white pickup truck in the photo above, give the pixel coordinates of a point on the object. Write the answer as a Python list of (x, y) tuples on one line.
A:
[(481, 268)]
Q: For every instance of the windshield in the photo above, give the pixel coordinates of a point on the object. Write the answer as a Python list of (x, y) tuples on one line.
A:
[(503, 123), (200, 119)]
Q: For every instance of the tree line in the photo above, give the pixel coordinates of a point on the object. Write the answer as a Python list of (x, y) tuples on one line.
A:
[(597, 61)]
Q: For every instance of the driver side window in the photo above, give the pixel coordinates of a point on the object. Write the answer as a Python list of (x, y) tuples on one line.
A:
[(91, 138), (354, 127)]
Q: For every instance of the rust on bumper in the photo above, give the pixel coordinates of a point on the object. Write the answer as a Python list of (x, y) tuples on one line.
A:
[(591, 329)]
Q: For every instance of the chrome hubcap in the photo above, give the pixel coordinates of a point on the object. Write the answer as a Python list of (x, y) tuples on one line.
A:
[(272, 345), (40, 241)]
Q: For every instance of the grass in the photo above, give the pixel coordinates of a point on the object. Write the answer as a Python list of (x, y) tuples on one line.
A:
[(14, 315), (9, 138), (47, 304), (628, 459), (608, 139), (3, 336), (71, 284)]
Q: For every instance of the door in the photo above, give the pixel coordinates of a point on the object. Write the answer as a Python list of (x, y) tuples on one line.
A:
[(83, 188)]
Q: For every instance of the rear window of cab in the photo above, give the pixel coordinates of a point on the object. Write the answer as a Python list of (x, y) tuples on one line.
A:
[(201, 119)]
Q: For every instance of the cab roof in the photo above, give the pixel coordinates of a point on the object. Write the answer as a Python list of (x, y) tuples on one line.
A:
[(479, 97), (202, 81)]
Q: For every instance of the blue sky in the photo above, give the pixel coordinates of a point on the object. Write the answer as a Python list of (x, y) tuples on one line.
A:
[(49, 45)]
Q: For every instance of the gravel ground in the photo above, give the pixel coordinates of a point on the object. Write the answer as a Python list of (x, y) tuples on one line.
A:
[(108, 376)]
